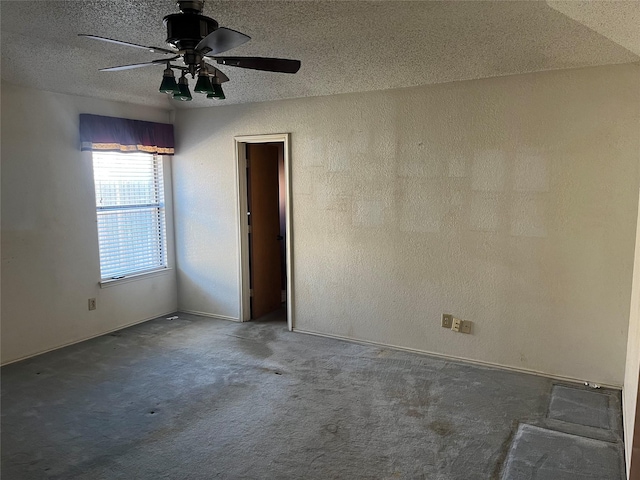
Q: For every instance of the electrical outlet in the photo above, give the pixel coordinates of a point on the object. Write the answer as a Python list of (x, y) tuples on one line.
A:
[(92, 304), (447, 320), (465, 326), (455, 325)]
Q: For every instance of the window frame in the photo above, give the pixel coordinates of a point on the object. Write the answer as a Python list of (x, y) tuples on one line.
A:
[(164, 222)]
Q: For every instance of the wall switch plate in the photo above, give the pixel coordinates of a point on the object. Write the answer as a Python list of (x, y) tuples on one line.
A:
[(465, 326), (92, 304), (455, 325), (447, 320)]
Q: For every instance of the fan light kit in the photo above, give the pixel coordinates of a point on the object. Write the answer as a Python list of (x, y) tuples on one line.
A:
[(195, 38)]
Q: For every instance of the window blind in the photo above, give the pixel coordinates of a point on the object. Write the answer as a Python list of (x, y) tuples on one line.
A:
[(131, 214)]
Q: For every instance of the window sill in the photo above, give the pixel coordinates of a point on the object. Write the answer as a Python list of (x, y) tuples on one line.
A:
[(133, 278)]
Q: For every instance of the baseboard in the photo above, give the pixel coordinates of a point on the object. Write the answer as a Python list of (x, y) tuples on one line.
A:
[(127, 325), (455, 358), (210, 315)]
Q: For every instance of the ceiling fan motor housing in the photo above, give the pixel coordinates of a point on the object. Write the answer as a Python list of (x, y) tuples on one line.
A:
[(185, 30)]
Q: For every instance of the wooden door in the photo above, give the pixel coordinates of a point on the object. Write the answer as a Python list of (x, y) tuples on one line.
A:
[(264, 236)]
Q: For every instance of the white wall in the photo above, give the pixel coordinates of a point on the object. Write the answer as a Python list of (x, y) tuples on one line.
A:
[(510, 202), (50, 263)]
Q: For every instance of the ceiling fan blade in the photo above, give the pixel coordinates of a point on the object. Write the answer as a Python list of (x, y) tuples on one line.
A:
[(221, 40), (129, 44), (222, 78), (281, 65), (138, 65)]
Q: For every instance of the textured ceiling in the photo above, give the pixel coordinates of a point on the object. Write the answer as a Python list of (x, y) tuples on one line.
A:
[(619, 22), (344, 46)]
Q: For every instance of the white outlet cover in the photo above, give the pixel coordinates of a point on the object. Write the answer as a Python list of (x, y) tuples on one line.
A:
[(455, 326)]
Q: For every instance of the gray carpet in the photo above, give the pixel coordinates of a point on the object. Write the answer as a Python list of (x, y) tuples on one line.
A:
[(196, 398)]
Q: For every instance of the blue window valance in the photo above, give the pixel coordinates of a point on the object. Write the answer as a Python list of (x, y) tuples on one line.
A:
[(112, 134)]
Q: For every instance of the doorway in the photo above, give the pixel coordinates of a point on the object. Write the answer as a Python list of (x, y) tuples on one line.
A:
[(264, 207)]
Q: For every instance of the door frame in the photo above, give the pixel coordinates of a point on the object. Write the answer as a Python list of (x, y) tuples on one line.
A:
[(241, 142)]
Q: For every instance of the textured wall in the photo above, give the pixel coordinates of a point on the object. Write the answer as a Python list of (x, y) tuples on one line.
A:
[(50, 261), (510, 202)]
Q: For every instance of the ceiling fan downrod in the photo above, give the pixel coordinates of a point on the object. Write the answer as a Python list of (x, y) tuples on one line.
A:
[(190, 6)]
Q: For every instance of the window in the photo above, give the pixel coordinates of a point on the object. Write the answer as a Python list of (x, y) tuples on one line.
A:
[(131, 214)]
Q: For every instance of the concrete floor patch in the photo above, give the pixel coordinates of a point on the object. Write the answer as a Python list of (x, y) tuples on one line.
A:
[(583, 407), (542, 454)]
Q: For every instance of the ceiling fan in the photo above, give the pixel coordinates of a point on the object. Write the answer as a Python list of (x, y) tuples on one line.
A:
[(195, 38)]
